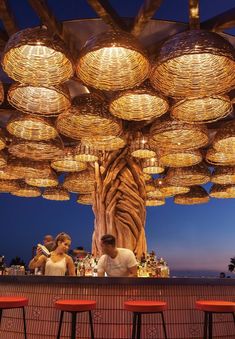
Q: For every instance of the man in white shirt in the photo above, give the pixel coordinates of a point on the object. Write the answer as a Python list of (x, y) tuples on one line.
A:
[(116, 262)]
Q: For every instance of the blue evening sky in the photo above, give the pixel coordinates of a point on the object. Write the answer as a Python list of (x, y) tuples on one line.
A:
[(189, 237)]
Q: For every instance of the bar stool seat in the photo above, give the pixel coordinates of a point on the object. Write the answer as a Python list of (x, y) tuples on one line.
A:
[(10, 302), (75, 306), (139, 307), (213, 306)]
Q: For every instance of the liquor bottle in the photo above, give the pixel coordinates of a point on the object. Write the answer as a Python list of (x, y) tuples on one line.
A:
[(2, 265)]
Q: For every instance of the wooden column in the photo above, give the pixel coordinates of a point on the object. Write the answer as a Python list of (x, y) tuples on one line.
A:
[(119, 204)]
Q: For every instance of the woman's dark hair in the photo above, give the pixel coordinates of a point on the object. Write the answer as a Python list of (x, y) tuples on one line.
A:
[(108, 239), (61, 237)]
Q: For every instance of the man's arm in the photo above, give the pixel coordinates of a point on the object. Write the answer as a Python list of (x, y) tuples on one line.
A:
[(132, 271), (100, 267)]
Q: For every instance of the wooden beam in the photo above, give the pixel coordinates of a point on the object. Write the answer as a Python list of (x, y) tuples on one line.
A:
[(194, 21), (107, 13), (220, 22), (7, 18), (53, 25), (146, 12)]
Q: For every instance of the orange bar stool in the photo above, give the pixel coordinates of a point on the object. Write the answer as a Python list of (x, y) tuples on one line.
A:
[(213, 306), (74, 307), (7, 303), (144, 307)]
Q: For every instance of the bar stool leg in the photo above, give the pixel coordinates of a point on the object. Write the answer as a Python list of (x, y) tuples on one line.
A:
[(210, 325), (73, 325), (205, 325), (91, 325), (138, 325), (60, 324), (232, 314), (134, 326), (164, 325), (25, 335), (0, 315)]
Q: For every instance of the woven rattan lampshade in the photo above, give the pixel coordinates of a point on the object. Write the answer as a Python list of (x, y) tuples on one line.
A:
[(112, 61), (141, 103), (171, 190), (34, 56), (154, 192), (2, 140), (224, 140), (49, 181), (85, 199), (22, 168), (152, 166), (7, 174), (173, 158), (80, 182), (106, 142), (155, 202), (56, 193), (223, 175), (7, 186), (196, 195), (47, 101), (202, 110), (146, 176), (1, 93), (220, 158), (27, 191), (3, 159), (221, 191), (67, 162), (140, 147), (194, 63), (86, 153), (176, 135), (36, 150), (87, 118), (188, 176), (31, 128)]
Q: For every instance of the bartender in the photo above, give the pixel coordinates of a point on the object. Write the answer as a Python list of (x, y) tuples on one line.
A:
[(116, 262)]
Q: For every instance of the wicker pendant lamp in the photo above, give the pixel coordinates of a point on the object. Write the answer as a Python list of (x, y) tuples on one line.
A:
[(2, 140), (80, 182), (7, 174), (141, 103), (223, 175), (39, 100), (22, 168), (67, 162), (85, 199), (155, 202), (88, 118), (86, 153), (196, 195), (112, 61), (56, 193), (31, 128), (154, 192), (171, 190), (152, 166), (173, 158), (105, 143), (221, 191), (220, 158), (202, 110), (224, 140), (36, 150), (172, 134), (140, 147), (3, 159), (1, 93), (7, 186), (194, 64), (33, 56), (188, 176), (27, 191), (49, 181)]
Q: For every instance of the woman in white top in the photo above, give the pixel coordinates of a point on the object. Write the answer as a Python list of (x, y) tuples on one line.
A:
[(59, 262)]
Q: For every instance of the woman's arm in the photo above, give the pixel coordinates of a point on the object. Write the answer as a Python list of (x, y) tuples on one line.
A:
[(70, 265), (37, 261)]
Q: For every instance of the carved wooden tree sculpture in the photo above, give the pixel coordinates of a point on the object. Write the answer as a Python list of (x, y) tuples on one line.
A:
[(119, 203)]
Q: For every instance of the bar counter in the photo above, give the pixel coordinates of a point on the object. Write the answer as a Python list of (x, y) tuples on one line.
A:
[(110, 320)]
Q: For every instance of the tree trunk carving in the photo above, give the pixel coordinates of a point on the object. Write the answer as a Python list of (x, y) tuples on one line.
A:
[(119, 203)]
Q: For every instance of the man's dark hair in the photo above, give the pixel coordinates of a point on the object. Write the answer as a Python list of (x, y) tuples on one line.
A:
[(108, 239)]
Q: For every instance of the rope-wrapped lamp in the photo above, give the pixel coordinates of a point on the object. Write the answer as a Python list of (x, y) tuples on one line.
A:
[(56, 193), (196, 195), (47, 101), (112, 61), (188, 176), (194, 64), (67, 162), (178, 158), (34, 56), (22, 168), (27, 191), (50, 181)]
